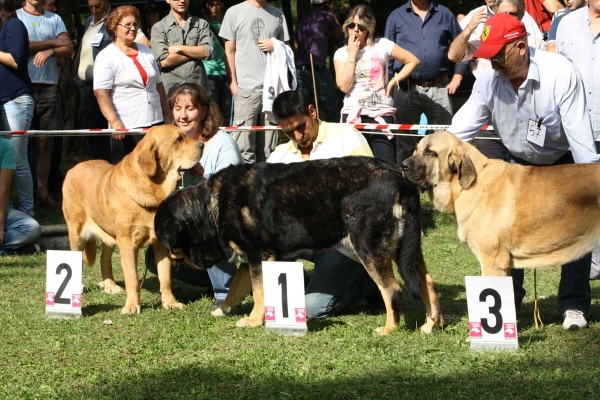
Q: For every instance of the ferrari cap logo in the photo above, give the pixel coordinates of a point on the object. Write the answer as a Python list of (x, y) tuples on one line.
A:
[(485, 33)]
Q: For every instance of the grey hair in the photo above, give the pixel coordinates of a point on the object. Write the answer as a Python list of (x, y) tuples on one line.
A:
[(520, 4)]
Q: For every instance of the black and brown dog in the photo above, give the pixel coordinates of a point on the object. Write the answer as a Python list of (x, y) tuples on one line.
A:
[(268, 212)]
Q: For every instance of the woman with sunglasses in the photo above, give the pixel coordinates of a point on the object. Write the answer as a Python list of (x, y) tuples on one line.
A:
[(127, 82), (361, 69)]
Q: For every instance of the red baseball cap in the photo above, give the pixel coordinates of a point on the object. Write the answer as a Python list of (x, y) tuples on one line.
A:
[(498, 30)]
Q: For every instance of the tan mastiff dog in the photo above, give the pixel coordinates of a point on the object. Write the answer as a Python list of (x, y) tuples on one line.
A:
[(115, 205), (510, 216)]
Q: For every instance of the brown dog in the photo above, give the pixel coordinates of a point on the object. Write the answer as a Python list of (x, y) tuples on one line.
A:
[(510, 216), (115, 204)]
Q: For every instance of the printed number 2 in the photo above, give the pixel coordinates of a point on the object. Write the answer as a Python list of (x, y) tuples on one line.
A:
[(494, 310), (63, 300), (282, 280)]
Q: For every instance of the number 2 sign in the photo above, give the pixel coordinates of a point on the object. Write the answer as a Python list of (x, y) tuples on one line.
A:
[(63, 283), (492, 315), (285, 310)]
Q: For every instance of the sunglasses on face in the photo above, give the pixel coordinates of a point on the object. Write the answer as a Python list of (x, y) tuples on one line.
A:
[(360, 26)]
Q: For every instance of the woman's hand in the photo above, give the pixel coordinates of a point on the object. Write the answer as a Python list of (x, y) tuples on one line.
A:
[(117, 125), (390, 87), (353, 47)]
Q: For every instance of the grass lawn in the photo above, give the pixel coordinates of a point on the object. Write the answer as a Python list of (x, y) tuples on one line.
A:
[(170, 354)]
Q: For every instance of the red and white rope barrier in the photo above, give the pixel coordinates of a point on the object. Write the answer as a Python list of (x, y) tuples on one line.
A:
[(360, 127)]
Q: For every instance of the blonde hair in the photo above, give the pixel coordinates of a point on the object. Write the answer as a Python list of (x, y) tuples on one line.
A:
[(367, 19)]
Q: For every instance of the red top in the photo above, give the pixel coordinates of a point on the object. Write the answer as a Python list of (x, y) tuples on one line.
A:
[(542, 17), (140, 68)]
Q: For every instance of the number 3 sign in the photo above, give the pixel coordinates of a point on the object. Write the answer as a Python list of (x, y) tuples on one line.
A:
[(63, 283), (285, 310), (492, 316)]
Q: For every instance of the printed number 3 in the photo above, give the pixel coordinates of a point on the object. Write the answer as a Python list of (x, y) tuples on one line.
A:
[(282, 280), (494, 310), (58, 299)]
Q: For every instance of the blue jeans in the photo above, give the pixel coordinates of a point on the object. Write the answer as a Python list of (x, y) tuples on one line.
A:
[(326, 92), (338, 281), (20, 230), (17, 115), (219, 276)]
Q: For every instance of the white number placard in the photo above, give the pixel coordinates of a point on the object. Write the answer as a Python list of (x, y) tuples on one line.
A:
[(63, 283), (492, 315), (285, 309)]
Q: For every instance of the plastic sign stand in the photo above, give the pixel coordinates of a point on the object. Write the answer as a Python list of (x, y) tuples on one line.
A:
[(492, 315), (63, 283), (285, 310)]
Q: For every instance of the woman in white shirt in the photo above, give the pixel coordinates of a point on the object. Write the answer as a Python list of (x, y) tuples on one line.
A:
[(361, 70), (127, 81)]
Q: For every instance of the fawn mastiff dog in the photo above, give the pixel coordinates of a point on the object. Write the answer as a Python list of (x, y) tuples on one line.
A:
[(510, 215), (115, 205), (289, 211)]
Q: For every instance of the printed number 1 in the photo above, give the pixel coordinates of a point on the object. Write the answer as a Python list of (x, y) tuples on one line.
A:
[(282, 280), (494, 310), (63, 300)]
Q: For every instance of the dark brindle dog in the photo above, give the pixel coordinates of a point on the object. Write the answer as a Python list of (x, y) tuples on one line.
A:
[(291, 211)]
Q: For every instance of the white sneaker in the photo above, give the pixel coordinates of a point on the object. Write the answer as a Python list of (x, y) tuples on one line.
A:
[(574, 320)]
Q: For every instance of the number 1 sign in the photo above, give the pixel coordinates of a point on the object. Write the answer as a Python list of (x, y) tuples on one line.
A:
[(492, 315), (63, 283), (285, 310)]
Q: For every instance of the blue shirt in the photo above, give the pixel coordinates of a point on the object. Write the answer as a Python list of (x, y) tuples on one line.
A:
[(427, 39), (14, 40)]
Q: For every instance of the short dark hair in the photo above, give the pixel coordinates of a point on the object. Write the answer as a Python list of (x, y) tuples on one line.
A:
[(289, 104)]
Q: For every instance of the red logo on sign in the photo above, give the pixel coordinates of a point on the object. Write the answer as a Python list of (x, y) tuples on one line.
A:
[(76, 300), (270, 313), (510, 331), (475, 330), (300, 315), (49, 298)]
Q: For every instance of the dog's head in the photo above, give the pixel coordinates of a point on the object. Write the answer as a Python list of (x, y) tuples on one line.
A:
[(164, 151), (183, 223), (439, 160)]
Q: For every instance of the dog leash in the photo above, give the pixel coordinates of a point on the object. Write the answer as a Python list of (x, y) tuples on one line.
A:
[(536, 308)]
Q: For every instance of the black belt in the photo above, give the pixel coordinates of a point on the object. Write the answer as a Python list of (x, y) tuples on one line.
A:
[(421, 82), (307, 67)]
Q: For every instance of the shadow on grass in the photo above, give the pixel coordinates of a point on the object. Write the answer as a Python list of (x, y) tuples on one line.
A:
[(93, 309)]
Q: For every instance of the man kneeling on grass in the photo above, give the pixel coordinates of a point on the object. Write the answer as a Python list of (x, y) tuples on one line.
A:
[(18, 231), (339, 278)]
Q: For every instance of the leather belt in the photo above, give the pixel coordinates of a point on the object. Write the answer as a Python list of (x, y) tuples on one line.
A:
[(424, 83)]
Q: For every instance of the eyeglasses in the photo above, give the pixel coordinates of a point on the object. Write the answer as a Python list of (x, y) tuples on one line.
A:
[(130, 25), (361, 27), (502, 59)]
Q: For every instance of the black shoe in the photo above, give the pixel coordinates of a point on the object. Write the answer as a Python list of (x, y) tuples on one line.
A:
[(31, 248)]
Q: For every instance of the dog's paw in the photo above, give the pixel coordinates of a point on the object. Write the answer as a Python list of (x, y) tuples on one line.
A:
[(383, 331), (217, 313), (110, 287), (131, 310), (248, 323), (174, 304)]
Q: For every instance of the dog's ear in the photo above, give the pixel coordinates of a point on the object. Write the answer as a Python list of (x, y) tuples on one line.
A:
[(147, 159), (460, 163)]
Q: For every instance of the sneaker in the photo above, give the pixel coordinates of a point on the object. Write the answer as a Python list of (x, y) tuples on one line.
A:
[(574, 320), (217, 303)]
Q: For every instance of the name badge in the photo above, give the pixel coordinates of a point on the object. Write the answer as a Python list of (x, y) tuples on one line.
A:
[(96, 39), (536, 132)]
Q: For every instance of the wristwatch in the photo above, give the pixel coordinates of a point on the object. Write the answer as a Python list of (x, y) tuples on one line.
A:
[(52, 51)]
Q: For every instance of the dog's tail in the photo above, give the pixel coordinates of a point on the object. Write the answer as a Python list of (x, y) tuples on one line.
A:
[(409, 249), (89, 253)]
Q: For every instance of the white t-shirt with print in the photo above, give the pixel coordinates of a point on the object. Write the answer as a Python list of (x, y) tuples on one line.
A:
[(370, 74)]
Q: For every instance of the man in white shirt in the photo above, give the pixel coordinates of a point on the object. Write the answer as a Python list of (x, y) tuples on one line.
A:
[(48, 41), (536, 102), (468, 42), (577, 39), (339, 278)]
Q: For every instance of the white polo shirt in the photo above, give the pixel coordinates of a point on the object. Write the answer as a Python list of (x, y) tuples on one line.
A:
[(137, 105), (553, 91)]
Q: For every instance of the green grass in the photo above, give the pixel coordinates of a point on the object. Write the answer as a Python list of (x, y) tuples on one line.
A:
[(167, 354)]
